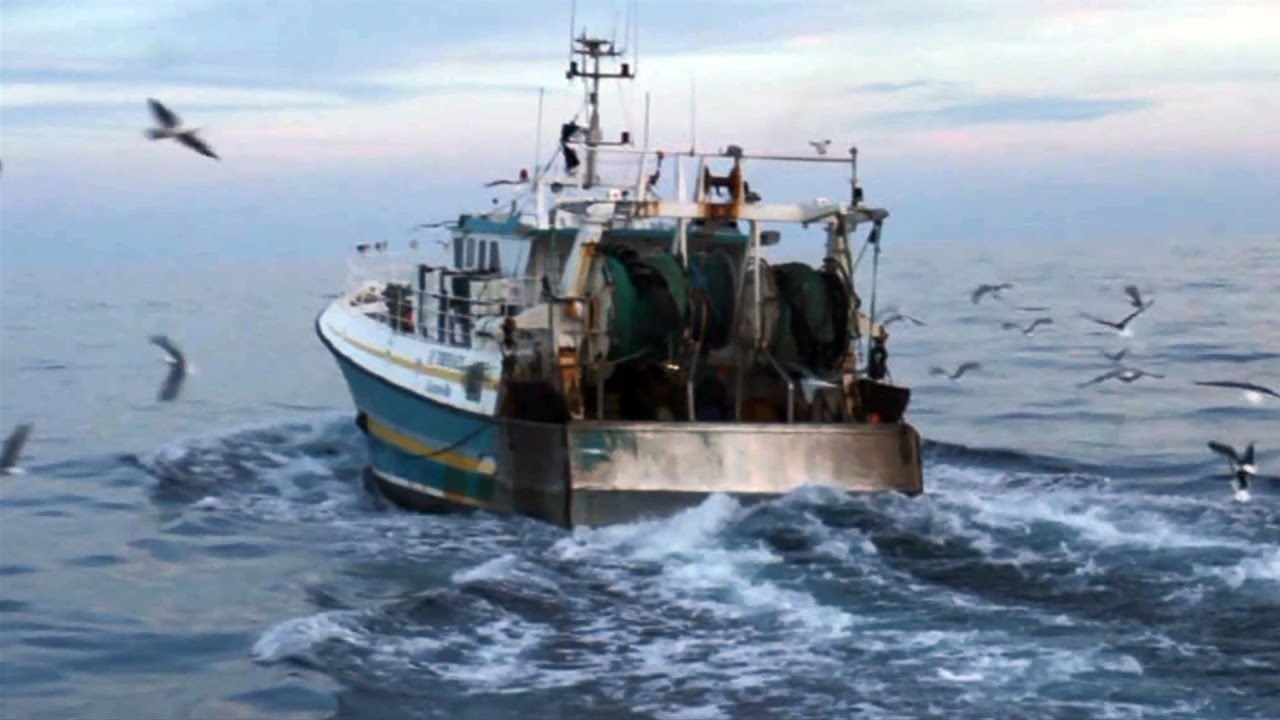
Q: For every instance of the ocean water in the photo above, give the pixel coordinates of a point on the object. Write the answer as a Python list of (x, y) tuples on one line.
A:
[(1077, 554)]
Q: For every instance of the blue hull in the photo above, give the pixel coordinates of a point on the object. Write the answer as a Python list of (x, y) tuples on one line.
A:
[(422, 453)]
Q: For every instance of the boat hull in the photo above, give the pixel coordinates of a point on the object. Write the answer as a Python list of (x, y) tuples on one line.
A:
[(596, 473), (428, 455), (422, 453)]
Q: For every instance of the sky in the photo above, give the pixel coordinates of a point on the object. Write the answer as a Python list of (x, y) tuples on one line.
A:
[(341, 122)]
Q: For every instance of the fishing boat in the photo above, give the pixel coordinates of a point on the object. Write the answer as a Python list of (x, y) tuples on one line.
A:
[(604, 349)]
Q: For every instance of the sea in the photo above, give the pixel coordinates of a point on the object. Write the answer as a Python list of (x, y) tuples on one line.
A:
[(1078, 551)]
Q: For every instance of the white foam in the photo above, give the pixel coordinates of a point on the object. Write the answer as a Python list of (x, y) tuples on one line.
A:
[(1259, 568), (494, 569), (298, 635)]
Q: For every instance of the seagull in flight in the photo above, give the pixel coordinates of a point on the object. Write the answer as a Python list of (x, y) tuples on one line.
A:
[(523, 179), (1135, 297), (172, 384), (1030, 329), (1125, 375), (434, 225), (1122, 326), (1243, 467), (1116, 357), (993, 290), (820, 146), (955, 376), (13, 449), (170, 126), (1252, 391), (894, 317)]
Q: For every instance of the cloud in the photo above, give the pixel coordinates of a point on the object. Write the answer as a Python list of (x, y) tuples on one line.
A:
[(892, 87), (1021, 110)]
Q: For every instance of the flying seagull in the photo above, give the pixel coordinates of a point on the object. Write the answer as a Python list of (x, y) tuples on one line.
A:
[(1028, 330), (170, 126), (1252, 391), (434, 225), (1115, 357), (1125, 375), (984, 289), (1243, 467), (172, 384), (1135, 297), (964, 368), (1121, 327), (524, 178), (820, 146), (894, 317), (13, 448)]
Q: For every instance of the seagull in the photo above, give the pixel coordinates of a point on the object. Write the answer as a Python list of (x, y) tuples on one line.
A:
[(1121, 327), (820, 146), (994, 290), (964, 368), (810, 383), (1252, 391), (1030, 329), (172, 384), (1115, 357), (362, 248), (896, 316), (1242, 466), (13, 448), (1135, 297), (434, 225), (1125, 375), (170, 126), (524, 178)]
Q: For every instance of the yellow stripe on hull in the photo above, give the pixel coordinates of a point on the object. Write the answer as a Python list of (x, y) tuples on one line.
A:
[(414, 446)]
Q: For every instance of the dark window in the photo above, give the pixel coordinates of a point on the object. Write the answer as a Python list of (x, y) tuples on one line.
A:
[(484, 251), (457, 252), (471, 253), (494, 263)]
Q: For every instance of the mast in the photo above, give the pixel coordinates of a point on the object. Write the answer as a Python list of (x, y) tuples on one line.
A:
[(592, 51)]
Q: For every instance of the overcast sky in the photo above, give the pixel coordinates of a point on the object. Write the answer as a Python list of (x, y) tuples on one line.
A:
[(341, 122)]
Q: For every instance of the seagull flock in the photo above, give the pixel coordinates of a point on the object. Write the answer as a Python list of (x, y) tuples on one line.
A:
[(169, 126), (1242, 463)]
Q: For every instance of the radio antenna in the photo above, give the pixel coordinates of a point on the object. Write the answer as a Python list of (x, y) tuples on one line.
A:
[(693, 115)]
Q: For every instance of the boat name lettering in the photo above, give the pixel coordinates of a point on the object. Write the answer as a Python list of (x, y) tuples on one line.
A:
[(439, 388), (448, 359)]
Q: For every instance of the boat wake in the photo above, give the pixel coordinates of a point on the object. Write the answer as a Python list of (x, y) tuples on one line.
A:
[(1013, 577)]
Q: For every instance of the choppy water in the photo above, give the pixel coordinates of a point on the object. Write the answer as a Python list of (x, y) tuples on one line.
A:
[(1077, 554)]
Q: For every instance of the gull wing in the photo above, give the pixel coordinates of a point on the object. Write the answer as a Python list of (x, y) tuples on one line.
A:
[(175, 355), (164, 116), (1098, 320), (966, 367), (13, 445), (1128, 318), (1225, 450), (1234, 384), (1135, 298), (194, 142), (1104, 376)]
